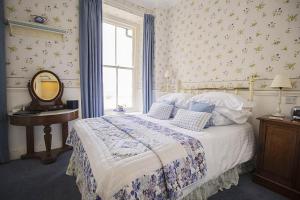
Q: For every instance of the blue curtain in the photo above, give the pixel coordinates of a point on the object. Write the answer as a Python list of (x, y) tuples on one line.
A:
[(4, 155), (148, 61), (91, 70)]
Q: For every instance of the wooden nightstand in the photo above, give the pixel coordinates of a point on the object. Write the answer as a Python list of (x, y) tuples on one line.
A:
[(278, 160)]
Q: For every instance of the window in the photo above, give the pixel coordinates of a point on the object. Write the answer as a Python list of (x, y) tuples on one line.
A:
[(119, 70)]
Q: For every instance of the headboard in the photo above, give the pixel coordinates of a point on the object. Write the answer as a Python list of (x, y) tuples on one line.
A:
[(218, 86)]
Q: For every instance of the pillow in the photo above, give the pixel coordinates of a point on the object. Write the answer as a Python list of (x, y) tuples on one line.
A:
[(181, 100), (201, 107), (223, 99), (160, 111), (238, 117), (218, 119), (174, 111), (191, 120)]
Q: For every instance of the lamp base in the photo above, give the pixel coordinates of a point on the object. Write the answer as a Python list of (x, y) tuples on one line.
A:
[(278, 115)]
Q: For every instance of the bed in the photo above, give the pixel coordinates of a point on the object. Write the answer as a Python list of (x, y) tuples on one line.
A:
[(222, 150), (140, 157)]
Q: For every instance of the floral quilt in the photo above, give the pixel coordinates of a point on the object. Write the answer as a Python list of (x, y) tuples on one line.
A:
[(127, 157)]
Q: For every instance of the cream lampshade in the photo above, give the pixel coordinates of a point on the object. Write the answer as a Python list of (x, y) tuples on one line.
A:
[(280, 81)]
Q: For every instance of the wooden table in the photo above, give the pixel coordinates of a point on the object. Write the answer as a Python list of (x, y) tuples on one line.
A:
[(45, 119)]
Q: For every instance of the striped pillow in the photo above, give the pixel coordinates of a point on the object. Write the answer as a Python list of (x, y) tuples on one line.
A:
[(160, 111), (191, 120)]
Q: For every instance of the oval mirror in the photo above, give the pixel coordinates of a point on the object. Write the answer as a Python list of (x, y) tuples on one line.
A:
[(46, 85)]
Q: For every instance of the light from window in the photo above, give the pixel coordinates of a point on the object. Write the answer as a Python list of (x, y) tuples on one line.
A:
[(124, 48), (118, 70), (109, 44), (110, 87)]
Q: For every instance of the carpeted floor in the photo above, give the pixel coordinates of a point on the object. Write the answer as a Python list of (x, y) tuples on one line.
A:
[(31, 180)]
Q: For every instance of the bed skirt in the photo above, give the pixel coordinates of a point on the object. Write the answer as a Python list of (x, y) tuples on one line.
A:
[(224, 181), (87, 185)]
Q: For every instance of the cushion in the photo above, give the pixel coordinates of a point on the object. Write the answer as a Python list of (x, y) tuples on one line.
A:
[(174, 111), (160, 111), (222, 99), (201, 107), (175, 108), (191, 120)]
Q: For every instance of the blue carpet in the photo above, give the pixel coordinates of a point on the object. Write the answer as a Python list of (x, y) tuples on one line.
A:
[(31, 180)]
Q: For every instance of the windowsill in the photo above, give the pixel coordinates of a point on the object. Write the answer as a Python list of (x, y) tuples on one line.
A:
[(111, 112)]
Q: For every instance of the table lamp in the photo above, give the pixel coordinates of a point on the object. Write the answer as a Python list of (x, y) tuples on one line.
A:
[(280, 81)]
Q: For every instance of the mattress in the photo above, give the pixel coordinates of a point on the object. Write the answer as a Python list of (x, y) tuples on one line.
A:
[(225, 147)]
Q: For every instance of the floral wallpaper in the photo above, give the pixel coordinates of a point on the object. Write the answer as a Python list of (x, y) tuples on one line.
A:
[(27, 54), (228, 40)]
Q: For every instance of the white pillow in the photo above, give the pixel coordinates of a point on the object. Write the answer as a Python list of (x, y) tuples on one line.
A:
[(239, 117), (220, 120), (191, 120), (180, 100), (223, 99), (160, 111)]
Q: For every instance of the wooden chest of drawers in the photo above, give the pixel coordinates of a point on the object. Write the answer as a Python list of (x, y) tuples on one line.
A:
[(278, 161)]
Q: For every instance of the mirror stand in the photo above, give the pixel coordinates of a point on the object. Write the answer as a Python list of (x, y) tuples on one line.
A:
[(39, 103)]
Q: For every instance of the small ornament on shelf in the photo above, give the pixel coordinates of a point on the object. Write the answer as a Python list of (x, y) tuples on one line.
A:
[(39, 19)]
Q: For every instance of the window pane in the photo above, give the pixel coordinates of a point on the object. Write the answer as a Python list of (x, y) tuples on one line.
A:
[(109, 85), (124, 48), (125, 87), (108, 44)]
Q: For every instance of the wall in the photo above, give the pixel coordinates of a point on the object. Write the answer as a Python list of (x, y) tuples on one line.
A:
[(207, 42), (27, 53), (229, 40)]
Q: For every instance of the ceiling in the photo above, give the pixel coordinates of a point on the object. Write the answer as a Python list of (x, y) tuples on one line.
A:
[(154, 3)]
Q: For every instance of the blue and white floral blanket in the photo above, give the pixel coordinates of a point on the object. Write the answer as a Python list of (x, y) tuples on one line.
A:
[(128, 157)]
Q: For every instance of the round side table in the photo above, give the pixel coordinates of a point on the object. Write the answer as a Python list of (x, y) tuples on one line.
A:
[(45, 119)]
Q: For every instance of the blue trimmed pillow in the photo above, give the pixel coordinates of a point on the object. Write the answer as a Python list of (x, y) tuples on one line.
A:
[(191, 120), (160, 110)]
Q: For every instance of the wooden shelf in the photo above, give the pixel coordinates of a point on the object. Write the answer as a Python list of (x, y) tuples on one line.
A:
[(22, 26)]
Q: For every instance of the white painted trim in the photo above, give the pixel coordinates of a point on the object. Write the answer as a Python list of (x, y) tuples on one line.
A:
[(140, 11), (275, 93)]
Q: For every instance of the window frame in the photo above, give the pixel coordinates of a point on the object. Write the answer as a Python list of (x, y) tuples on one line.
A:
[(118, 22)]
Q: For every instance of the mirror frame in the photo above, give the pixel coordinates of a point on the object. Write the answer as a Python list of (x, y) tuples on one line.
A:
[(38, 104)]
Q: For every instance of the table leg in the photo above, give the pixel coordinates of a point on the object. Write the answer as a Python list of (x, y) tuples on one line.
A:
[(29, 142), (48, 139), (64, 132)]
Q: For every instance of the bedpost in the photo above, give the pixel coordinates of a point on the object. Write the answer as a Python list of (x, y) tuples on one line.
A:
[(178, 86), (251, 87)]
